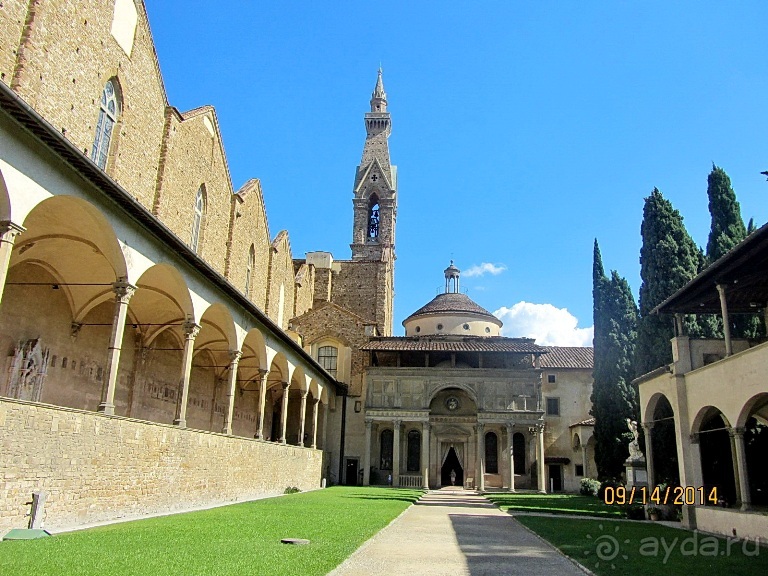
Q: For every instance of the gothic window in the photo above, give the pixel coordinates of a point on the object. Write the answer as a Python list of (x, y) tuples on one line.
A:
[(373, 217), (491, 453), (385, 450), (327, 357), (197, 222), (414, 451), (249, 269), (109, 111)]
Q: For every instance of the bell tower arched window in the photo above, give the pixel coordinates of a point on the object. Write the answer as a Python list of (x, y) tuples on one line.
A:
[(109, 112), (197, 221), (373, 218)]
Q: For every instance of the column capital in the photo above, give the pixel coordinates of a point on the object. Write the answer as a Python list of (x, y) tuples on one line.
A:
[(648, 426), (397, 424), (510, 426), (368, 423), (285, 385), (123, 291), (316, 401), (426, 426), (480, 427), (9, 230), (736, 432), (304, 393), (234, 356), (190, 329)]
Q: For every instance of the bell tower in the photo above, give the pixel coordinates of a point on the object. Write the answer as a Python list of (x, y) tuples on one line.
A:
[(375, 189)]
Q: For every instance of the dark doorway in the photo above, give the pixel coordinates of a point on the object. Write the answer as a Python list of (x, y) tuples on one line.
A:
[(451, 463), (351, 479), (555, 477)]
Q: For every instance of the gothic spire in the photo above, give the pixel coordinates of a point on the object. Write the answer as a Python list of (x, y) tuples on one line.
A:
[(379, 97)]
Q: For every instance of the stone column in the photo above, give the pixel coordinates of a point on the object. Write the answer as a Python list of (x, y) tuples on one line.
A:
[(726, 320), (480, 458), (511, 452), (8, 233), (540, 458), (325, 426), (284, 413), (303, 412), (315, 404), (190, 333), (234, 360), (649, 466), (585, 459), (737, 436), (425, 455), (367, 454), (262, 400), (123, 292), (396, 453)]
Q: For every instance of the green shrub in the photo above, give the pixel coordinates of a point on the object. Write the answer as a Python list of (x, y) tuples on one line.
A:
[(589, 487), (612, 483), (292, 490)]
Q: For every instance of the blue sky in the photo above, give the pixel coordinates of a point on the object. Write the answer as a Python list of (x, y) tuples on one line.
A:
[(521, 130)]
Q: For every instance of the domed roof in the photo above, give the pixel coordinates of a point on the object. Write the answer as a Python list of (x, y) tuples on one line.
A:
[(454, 304)]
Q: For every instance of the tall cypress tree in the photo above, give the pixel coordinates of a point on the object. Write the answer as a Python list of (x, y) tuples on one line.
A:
[(726, 231), (613, 397), (727, 228), (668, 259)]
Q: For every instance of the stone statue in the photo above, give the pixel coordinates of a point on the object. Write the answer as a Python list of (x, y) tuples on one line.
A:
[(634, 445), (453, 477)]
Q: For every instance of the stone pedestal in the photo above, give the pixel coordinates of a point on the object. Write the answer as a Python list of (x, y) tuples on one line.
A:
[(637, 475)]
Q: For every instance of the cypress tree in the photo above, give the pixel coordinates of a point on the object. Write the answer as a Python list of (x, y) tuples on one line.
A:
[(726, 231), (727, 228), (613, 397), (668, 259), (751, 226)]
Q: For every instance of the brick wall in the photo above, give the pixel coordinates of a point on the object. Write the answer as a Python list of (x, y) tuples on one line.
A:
[(69, 56), (281, 274), (305, 287), (97, 468), (13, 14), (195, 157), (249, 227)]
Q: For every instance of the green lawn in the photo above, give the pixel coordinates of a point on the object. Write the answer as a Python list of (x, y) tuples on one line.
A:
[(623, 547), (238, 539), (556, 504)]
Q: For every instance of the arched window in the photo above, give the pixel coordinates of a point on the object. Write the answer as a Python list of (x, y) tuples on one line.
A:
[(385, 450), (373, 217), (249, 269), (327, 356), (518, 447), (109, 112), (414, 451), (491, 453), (197, 222)]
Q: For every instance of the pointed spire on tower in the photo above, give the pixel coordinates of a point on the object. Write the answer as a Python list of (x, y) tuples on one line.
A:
[(379, 97)]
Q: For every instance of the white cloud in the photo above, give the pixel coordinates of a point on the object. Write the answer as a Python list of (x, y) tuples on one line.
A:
[(550, 326), (483, 269)]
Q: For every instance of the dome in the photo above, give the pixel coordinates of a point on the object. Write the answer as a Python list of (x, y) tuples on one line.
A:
[(452, 313)]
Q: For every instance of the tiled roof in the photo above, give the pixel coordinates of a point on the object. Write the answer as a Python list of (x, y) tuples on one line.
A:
[(452, 303), (587, 422), (567, 357), (465, 344)]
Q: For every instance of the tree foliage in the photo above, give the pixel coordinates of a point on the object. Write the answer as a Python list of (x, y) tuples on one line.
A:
[(668, 259), (614, 398)]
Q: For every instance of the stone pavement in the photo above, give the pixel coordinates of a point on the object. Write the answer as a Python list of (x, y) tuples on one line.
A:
[(454, 532)]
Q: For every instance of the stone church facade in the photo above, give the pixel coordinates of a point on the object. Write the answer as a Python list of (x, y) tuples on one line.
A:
[(165, 350)]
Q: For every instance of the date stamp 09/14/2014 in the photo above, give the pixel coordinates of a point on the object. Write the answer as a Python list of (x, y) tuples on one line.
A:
[(674, 495)]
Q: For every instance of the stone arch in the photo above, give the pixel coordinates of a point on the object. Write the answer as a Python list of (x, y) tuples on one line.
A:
[(753, 421), (162, 301), (465, 388), (660, 417), (5, 200), (712, 429)]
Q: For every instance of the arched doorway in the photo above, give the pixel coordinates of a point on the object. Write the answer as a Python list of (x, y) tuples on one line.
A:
[(451, 463), (716, 456)]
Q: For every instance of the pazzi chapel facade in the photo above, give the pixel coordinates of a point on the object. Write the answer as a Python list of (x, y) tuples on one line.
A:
[(163, 350)]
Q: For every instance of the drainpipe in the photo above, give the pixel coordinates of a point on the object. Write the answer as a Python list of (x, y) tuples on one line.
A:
[(343, 434)]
